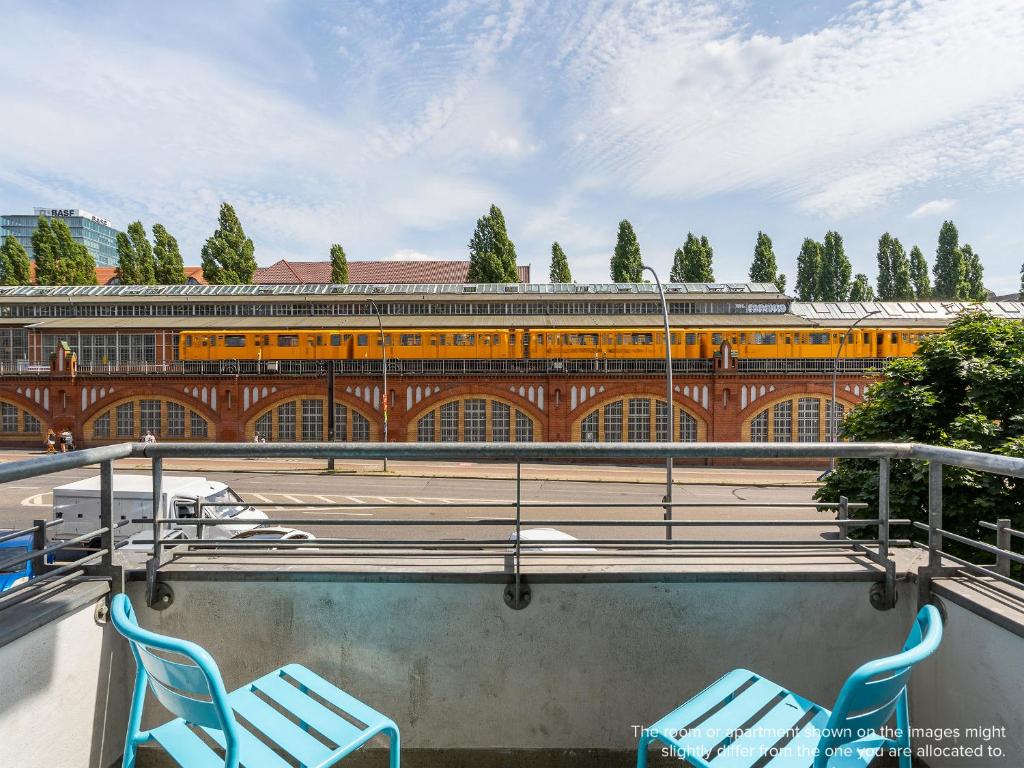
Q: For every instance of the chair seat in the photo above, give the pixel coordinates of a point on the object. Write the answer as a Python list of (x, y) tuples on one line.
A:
[(260, 708), (740, 718)]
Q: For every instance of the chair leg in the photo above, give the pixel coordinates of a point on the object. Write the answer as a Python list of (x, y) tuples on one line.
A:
[(641, 751), (394, 747)]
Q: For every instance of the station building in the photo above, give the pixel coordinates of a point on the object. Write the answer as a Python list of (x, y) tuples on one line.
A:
[(107, 363)]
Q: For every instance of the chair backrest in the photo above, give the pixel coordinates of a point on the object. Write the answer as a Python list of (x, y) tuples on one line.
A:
[(191, 688), (878, 689)]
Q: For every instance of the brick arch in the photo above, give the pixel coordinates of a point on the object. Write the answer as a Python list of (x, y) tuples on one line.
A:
[(534, 414), (297, 395), (624, 393), (164, 395), (785, 391), (291, 392), (493, 391), (32, 408), (767, 404), (643, 388), (153, 392)]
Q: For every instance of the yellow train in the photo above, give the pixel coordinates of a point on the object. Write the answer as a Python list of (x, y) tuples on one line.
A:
[(561, 343)]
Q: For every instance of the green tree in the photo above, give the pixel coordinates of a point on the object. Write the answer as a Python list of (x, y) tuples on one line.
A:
[(228, 255), (974, 274), (127, 272), (886, 291), (559, 272), (492, 255), (45, 248), (169, 269), (961, 390), (834, 275), (339, 265), (949, 264), (143, 253), (861, 288), (678, 273), (15, 267), (902, 285), (627, 264), (763, 269), (707, 267), (75, 265), (919, 275), (780, 282), (808, 270), (693, 262)]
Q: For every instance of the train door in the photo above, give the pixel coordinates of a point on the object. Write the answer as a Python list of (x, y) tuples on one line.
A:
[(526, 344)]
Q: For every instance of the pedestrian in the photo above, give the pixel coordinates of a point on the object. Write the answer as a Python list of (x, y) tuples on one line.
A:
[(51, 441), (67, 441), (149, 437)]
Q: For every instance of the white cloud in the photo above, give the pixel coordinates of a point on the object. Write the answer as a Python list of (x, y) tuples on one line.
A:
[(933, 208), (408, 254)]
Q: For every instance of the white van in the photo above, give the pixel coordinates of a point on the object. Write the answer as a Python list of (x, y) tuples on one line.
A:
[(78, 504)]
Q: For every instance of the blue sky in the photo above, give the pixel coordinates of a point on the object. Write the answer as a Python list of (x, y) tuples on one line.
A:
[(391, 126)]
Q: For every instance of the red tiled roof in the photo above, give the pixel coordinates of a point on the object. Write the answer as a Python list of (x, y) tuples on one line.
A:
[(285, 272), (105, 275)]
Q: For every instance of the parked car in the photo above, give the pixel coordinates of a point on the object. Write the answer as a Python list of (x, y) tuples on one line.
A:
[(14, 575), (270, 533)]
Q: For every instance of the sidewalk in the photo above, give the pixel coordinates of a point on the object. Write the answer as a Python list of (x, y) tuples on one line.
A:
[(604, 473)]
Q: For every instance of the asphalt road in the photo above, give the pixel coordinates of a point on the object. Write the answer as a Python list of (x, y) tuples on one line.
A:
[(371, 498)]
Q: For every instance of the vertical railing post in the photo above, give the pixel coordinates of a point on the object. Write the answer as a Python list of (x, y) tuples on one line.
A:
[(38, 544), (934, 514), (842, 515), (519, 530), (200, 528), (107, 517), (331, 437), (883, 507), (158, 492), (1003, 541)]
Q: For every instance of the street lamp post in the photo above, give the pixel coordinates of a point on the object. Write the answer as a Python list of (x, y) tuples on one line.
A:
[(384, 369), (668, 402), (831, 421)]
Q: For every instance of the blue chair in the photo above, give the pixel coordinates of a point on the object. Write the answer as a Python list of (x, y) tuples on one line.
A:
[(207, 734), (737, 720)]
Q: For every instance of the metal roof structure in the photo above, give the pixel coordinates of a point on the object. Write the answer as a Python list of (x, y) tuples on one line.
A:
[(321, 289), (889, 311)]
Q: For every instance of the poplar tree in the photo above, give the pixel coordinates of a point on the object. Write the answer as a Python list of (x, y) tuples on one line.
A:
[(707, 268), (45, 249), (834, 275), (861, 289), (627, 264), (339, 265), (974, 274), (492, 255), (902, 285), (143, 253), (949, 264), (678, 273), (228, 255), (763, 269), (780, 282), (127, 272), (885, 276), (75, 265), (168, 268), (15, 268), (919, 279), (559, 272), (808, 267), (693, 262)]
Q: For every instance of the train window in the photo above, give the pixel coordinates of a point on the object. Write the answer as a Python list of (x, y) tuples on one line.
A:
[(443, 339), (618, 338), (319, 341), (464, 339), (894, 338), (188, 341), (789, 339), (512, 339), (551, 339), (495, 338), (266, 341), (716, 338), (387, 339), (743, 338), (643, 338), (335, 339), (409, 340), (906, 337), (818, 338), (213, 340), (733, 339), (691, 338), (591, 338), (204, 340), (362, 340), (287, 341), (867, 337), (571, 338), (433, 340), (607, 338), (763, 338), (234, 340)]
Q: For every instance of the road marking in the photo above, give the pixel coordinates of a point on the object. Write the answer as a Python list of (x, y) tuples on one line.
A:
[(36, 501), (21, 487), (354, 500), (262, 498), (290, 498)]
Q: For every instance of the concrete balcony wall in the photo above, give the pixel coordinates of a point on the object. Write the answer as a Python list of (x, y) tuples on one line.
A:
[(65, 688), (578, 668)]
